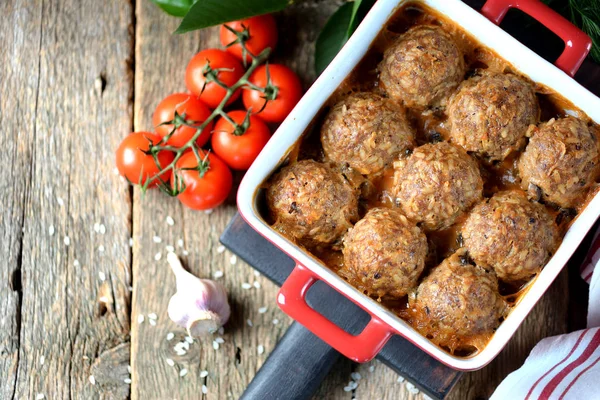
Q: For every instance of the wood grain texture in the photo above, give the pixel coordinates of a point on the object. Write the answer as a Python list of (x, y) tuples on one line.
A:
[(65, 106)]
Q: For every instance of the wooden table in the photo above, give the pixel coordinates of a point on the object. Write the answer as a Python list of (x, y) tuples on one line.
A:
[(76, 77)]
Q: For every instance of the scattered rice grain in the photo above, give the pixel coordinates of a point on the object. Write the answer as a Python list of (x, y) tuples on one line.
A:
[(233, 259), (127, 380), (157, 239), (218, 274), (215, 345), (42, 360), (60, 201), (220, 249), (220, 340), (170, 362), (101, 249), (179, 242), (185, 253), (371, 368), (246, 285), (170, 248), (152, 316), (39, 396), (400, 379), (256, 284), (76, 263), (67, 241), (183, 372), (92, 379), (51, 230), (130, 242), (170, 336), (256, 274), (203, 374), (275, 321), (262, 310), (152, 322), (249, 322), (102, 229), (170, 220), (260, 349), (189, 339), (355, 376), (204, 389), (208, 212), (158, 256), (140, 318), (102, 276)]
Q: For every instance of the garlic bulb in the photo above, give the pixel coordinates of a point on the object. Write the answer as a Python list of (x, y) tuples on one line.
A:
[(200, 305)]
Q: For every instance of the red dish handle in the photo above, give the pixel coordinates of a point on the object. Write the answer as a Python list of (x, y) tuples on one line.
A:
[(577, 43), (361, 348)]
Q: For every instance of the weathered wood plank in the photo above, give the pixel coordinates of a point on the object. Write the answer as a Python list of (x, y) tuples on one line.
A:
[(20, 32), (72, 62)]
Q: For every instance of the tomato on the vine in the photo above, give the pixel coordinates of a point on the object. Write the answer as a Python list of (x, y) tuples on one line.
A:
[(240, 147), (258, 33), (282, 91), (186, 105), (207, 183), (134, 164), (206, 67)]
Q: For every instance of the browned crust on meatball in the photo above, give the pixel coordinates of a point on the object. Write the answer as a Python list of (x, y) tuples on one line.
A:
[(436, 184), (490, 114), (510, 234), (560, 162), (458, 298), (422, 67), (385, 253), (366, 131), (312, 203)]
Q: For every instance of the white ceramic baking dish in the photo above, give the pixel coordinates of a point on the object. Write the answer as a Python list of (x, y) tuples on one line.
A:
[(384, 323)]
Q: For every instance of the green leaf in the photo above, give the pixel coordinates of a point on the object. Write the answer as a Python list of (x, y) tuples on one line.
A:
[(176, 8), (338, 29), (205, 13)]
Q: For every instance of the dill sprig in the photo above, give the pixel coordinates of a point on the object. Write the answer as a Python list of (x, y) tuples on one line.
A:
[(586, 15)]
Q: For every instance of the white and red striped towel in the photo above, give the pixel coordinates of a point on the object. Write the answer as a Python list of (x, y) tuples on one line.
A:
[(565, 366)]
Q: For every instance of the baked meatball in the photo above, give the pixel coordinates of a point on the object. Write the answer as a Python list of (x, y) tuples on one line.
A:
[(458, 298), (511, 235), (422, 67), (385, 253), (560, 161), (490, 114), (366, 131), (312, 202), (436, 184)]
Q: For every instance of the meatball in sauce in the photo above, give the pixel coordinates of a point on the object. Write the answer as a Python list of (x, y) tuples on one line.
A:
[(422, 67), (367, 132), (437, 184), (560, 161), (490, 114), (312, 202), (385, 253)]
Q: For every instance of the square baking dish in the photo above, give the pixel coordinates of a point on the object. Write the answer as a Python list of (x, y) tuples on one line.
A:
[(384, 323)]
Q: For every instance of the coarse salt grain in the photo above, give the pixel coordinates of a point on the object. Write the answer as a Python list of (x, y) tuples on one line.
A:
[(170, 248), (220, 340), (203, 374), (51, 230), (158, 256), (262, 310), (179, 242), (233, 259), (249, 322), (92, 379), (275, 321), (170, 362), (215, 345), (204, 389), (102, 276), (170, 336), (183, 372), (218, 274), (256, 284), (101, 249), (355, 376), (67, 241), (152, 316), (140, 318), (260, 349), (220, 249), (170, 220), (157, 239), (246, 285), (127, 380)]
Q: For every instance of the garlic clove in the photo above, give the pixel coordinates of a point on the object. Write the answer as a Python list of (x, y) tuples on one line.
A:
[(200, 305)]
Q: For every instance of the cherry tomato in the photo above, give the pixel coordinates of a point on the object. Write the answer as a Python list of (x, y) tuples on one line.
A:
[(137, 166), (259, 33), (194, 110), (239, 150), (210, 64), (206, 189), (288, 91)]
